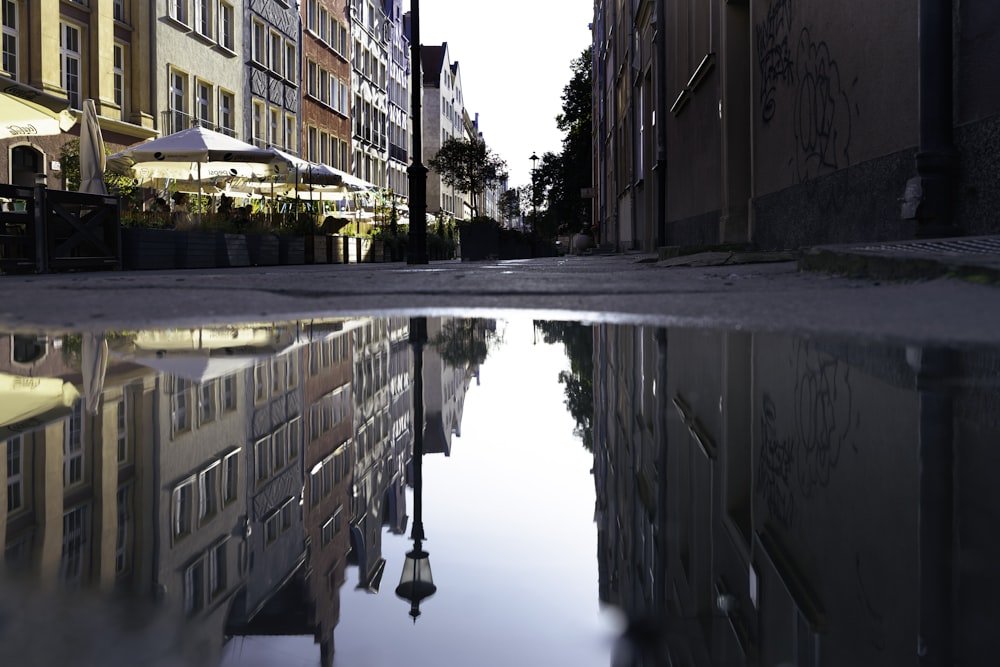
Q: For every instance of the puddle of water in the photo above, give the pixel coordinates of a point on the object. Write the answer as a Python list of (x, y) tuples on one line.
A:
[(594, 494)]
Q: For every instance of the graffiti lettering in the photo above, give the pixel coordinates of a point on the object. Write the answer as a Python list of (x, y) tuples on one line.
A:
[(774, 467), (822, 118), (824, 415), (774, 54)]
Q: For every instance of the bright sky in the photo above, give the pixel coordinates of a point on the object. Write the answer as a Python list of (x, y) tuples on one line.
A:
[(514, 58)]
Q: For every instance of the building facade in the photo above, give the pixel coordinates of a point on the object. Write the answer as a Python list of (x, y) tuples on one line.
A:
[(327, 98), (785, 125), (442, 119), (270, 83), (372, 34), (398, 90)]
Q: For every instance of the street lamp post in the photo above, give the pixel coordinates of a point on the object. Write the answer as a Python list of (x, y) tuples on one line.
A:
[(416, 583), (417, 172), (534, 195)]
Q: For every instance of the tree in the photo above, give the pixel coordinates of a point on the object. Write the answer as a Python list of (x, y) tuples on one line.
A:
[(578, 341), (465, 342), (510, 204), (120, 185), (470, 166), (566, 174)]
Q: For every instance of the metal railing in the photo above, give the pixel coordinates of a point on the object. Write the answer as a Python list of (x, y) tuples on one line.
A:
[(173, 120)]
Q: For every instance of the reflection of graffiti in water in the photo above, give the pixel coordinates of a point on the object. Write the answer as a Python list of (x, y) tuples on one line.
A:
[(774, 468), (774, 55), (875, 625), (822, 111), (824, 415)]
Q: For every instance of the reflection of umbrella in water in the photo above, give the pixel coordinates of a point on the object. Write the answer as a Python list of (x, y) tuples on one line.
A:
[(92, 157), (30, 402), (94, 365), (27, 111), (198, 367)]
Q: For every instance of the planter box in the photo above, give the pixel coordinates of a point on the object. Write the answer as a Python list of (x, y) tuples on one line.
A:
[(264, 249), (337, 249), (316, 249), (479, 241), (150, 248), (231, 250), (291, 250)]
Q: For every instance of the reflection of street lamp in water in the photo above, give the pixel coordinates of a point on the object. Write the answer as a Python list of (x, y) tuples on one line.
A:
[(534, 195), (416, 583)]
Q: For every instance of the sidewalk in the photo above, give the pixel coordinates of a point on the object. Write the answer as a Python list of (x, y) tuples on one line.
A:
[(971, 258)]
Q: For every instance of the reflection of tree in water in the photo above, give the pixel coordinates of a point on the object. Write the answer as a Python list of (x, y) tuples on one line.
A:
[(466, 342), (578, 341)]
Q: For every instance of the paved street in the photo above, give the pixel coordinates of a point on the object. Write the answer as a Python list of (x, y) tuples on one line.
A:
[(773, 296)]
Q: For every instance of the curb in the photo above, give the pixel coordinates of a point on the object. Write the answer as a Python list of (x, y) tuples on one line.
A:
[(898, 269)]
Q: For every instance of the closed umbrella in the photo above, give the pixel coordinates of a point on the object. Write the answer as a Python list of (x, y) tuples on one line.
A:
[(30, 402), (94, 366), (92, 157)]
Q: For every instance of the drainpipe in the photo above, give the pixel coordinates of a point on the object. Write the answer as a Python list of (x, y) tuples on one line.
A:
[(934, 369), (661, 105), (928, 198)]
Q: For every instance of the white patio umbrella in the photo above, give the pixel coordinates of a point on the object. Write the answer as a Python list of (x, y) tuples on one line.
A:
[(27, 111), (197, 153), (92, 156)]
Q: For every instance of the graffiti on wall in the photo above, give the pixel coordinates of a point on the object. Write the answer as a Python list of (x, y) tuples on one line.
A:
[(774, 467), (825, 418), (825, 415), (821, 114), (822, 117), (774, 54)]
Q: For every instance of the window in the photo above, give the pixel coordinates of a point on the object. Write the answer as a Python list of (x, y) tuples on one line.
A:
[(291, 62), (203, 103), (286, 514), (10, 9), (311, 15), (226, 102), (311, 78), (119, 10), (124, 515), (15, 475), (122, 425), (230, 477), (178, 100), (260, 382), (179, 406), (194, 586), (277, 51), (294, 437), (183, 505), (275, 127), (203, 17), (271, 528), (258, 139), (311, 155), (206, 402), (73, 446), (75, 531), (279, 448), (258, 52), (217, 570), (69, 59), (229, 382), (178, 10), (208, 492), (260, 454), (291, 145), (118, 78), (226, 23)]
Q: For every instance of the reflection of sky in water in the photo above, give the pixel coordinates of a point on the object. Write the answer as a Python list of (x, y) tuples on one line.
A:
[(510, 533)]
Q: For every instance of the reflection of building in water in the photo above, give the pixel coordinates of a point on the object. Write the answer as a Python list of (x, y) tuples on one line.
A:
[(273, 434), (449, 365), (758, 497), (377, 494), (329, 441)]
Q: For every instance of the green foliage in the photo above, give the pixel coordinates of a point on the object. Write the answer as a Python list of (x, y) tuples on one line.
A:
[(119, 185), (510, 204), (465, 342), (469, 166), (578, 341)]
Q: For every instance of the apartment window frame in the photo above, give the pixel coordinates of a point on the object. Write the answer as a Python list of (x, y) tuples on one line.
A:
[(209, 481), (203, 18), (179, 11), (15, 478), (203, 102), (259, 138), (208, 409), (194, 587), (261, 452), (74, 454), (230, 478), (291, 63), (182, 507), (119, 80), (227, 26), (180, 409), (71, 62), (121, 423), (227, 122), (10, 37), (76, 531), (118, 11), (178, 98), (217, 574), (258, 42), (276, 53)]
